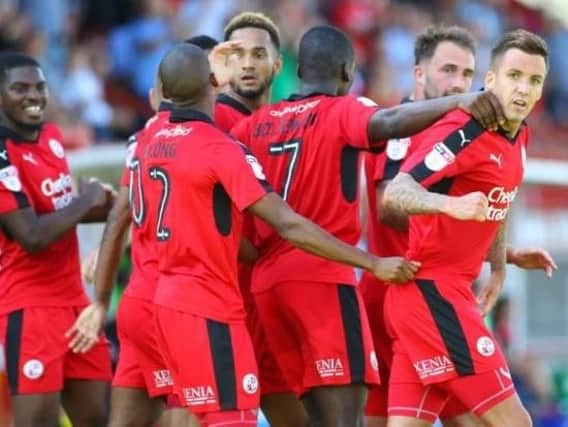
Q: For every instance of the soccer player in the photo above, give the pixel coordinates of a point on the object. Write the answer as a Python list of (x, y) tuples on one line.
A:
[(251, 64), (196, 181), (459, 185), (141, 380), (41, 292), (309, 146), (444, 65)]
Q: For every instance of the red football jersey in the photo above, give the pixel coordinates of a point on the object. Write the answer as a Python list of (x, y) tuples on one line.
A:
[(228, 112), (383, 240), (197, 181), (35, 174), (309, 147), (457, 156), (144, 275)]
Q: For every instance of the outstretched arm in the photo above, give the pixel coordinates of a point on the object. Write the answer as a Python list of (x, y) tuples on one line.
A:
[(410, 118), (310, 237)]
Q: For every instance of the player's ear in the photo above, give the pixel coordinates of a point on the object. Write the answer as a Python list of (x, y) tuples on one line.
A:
[(277, 67), (419, 75), (153, 99), (213, 80), (489, 82), (347, 72)]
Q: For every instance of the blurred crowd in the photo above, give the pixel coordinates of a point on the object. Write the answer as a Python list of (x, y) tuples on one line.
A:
[(101, 55)]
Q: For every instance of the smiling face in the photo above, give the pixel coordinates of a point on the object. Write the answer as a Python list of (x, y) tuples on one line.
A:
[(23, 95), (517, 78), (254, 64)]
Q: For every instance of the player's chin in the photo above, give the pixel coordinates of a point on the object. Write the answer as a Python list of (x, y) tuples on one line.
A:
[(32, 124), (250, 93)]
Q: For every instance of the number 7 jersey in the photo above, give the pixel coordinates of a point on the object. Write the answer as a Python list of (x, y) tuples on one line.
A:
[(309, 148)]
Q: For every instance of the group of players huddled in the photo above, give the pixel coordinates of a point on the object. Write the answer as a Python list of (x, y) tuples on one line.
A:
[(244, 217)]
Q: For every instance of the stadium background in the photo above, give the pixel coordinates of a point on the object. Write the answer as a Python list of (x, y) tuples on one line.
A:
[(100, 58)]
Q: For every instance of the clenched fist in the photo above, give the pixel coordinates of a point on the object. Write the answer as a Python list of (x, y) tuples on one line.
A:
[(395, 269), (470, 207)]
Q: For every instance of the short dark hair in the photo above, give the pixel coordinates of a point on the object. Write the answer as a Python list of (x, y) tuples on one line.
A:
[(523, 40), (10, 59), (427, 41), (254, 20), (323, 50), (203, 41)]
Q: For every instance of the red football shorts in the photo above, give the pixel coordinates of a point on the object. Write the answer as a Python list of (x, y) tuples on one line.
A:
[(476, 393), (442, 349), (271, 378), (140, 364), (38, 359), (373, 292), (320, 333), (212, 363), (242, 418)]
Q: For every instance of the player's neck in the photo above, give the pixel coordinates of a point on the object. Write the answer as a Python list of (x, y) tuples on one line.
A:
[(22, 131), (328, 88), (251, 104), (202, 107), (511, 129)]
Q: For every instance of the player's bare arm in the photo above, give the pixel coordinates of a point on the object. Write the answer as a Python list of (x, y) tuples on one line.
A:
[(410, 118), (532, 259), (497, 258), (310, 237), (392, 218), (85, 331), (36, 232), (405, 196), (248, 254)]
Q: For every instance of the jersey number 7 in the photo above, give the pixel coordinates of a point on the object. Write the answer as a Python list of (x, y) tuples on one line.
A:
[(292, 149)]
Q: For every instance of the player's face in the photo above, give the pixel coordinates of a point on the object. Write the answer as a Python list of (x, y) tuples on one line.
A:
[(448, 72), (517, 79), (24, 97), (254, 64)]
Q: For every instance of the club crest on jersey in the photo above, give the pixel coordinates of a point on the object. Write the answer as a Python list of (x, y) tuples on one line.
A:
[(256, 167), (33, 369), (485, 346), (56, 148), (250, 383), (397, 148), (440, 157), (10, 178)]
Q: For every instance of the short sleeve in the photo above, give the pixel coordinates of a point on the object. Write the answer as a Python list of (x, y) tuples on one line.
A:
[(131, 146), (441, 151), (354, 120), (241, 174), (12, 194)]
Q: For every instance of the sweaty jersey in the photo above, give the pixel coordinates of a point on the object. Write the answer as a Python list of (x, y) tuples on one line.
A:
[(228, 112), (35, 174), (144, 275), (197, 181), (309, 147), (456, 156)]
